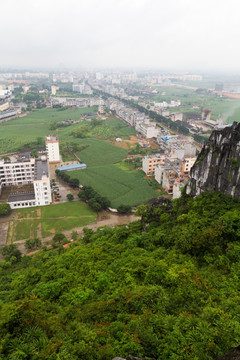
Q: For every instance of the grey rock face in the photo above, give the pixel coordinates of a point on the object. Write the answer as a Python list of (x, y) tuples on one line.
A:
[(218, 164)]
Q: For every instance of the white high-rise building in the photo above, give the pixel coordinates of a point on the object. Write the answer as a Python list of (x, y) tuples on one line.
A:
[(41, 183), (52, 146)]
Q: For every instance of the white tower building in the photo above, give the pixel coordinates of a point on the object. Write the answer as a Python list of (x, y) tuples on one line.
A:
[(52, 146)]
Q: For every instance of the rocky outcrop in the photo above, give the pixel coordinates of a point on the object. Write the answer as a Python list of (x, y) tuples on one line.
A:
[(233, 354), (218, 164)]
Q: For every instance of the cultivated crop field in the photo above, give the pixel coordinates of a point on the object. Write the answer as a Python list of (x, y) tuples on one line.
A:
[(112, 128), (100, 152), (15, 133), (119, 186), (47, 220), (227, 108)]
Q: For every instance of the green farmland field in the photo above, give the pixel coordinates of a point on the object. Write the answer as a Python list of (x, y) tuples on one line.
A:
[(113, 128), (15, 133), (119, 186), (227, 108), (100, 152)]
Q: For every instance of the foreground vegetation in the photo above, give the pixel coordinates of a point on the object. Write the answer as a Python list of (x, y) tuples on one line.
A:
[(165, 287)]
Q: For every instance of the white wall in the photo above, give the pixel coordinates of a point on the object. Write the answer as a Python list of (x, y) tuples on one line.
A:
[(53, 151), (42, 191)]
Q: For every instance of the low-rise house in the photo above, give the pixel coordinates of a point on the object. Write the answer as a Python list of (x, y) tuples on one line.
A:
[(148, 130), (168, 173), (187, 164), (176, 116), (149, 163)]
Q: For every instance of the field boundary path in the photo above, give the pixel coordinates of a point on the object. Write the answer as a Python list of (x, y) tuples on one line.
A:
[(107, 219)]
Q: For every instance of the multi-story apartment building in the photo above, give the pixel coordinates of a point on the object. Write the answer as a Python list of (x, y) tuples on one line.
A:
[(4, 105), (149, 163), (17, 172), (52, 147), (148, 130), (187, 164), (25, 170)]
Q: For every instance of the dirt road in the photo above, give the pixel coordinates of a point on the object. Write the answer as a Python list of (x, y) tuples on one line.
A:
[(104, 219)]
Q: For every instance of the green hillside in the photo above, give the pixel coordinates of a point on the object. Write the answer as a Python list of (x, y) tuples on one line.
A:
[(166, 287)]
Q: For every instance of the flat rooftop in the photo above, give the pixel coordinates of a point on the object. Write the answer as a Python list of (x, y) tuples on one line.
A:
[(73, 167), (15, 190), (51, 138), (21, 197), (41, 168)]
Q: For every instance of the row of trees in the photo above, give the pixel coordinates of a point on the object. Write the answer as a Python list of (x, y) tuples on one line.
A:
[(89, 195), (73, 182), (174, 125), (94, 200)]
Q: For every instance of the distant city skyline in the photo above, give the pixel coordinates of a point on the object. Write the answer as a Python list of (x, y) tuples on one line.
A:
[(132, 34)]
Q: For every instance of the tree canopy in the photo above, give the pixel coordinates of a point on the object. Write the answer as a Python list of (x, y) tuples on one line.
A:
[(5, 209), (164, 287)]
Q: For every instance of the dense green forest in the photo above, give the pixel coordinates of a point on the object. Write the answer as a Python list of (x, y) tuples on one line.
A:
[(165, 287)]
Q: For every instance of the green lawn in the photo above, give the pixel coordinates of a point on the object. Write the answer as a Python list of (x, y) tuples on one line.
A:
[(26, 212), (75, 209), (53, 218), (25, 229), (58, 225)]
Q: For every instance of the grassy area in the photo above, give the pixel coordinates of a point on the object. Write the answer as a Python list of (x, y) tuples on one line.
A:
[(46, 220), (225, 107), (27, 213), (74, 209), (51, 226), (113, 128), (119, 185), (25, 229), (67, 155), (234, 115), (99, 152), (15, 133)]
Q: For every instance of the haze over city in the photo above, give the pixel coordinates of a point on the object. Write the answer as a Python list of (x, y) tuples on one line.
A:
[(181, 34)]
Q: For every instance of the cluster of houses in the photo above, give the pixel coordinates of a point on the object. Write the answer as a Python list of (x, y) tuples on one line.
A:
[(171, 169), (134, 118), (77, 101)]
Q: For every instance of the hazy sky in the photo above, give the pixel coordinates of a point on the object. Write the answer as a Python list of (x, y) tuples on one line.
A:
[(165, 34)]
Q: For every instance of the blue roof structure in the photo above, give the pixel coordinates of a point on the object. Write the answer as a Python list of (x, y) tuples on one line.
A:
[(73, 167)]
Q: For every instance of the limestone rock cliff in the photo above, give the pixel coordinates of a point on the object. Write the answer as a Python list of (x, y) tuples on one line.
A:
[(218, 164)]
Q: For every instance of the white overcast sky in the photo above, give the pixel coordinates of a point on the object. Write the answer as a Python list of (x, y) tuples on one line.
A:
[(164, 34)]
